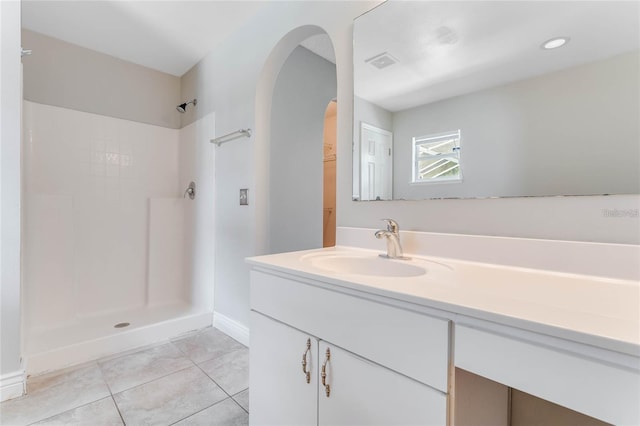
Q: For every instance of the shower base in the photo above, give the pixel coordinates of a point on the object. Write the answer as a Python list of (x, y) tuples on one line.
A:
[(89, 338)]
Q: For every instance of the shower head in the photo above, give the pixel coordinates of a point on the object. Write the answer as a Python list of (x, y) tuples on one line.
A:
[(183, 107)]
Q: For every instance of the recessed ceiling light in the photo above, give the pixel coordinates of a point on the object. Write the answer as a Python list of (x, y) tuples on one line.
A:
[(555, 42)]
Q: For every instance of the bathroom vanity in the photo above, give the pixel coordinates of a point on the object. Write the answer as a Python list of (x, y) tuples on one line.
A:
[(342, 336)]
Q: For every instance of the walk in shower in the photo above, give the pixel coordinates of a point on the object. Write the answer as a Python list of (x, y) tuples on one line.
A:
[(114, 256)]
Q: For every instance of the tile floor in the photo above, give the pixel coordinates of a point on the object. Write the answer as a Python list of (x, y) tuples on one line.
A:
[(201, 378)]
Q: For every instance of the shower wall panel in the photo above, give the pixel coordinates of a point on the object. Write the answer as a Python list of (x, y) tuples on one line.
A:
[(197, 158), (166, 253), (49, 259), (110, 249), (88, 183)]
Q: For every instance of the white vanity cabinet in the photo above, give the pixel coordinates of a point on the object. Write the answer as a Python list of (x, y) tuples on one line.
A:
[(386, 365), (441, 348)]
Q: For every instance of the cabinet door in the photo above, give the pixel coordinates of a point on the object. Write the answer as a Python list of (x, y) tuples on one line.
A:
[(280, 394), (364, 393)]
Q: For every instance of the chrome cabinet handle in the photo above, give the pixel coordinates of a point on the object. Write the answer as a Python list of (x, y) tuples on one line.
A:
[(327, 388), (304, 361)]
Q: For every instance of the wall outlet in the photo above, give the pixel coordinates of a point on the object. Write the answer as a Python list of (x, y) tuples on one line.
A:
[(244, 197)]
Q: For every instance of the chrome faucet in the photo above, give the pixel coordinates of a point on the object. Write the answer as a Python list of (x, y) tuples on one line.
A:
[(392, 234)]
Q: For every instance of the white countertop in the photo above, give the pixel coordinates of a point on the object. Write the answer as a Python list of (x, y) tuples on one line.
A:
[(602, 312)]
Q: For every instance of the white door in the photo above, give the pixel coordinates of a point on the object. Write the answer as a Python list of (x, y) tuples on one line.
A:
[(280, 394), (364, 393), (376, 163)]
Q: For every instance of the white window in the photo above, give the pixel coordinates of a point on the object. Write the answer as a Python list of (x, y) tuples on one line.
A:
[(436, 158)]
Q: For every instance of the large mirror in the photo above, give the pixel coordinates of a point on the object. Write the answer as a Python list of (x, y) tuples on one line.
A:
[(472, 99)]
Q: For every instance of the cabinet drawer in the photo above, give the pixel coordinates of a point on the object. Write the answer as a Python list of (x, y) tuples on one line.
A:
[(606, 392), (410, 343)]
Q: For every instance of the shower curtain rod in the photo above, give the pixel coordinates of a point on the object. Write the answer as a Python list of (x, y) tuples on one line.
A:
[(231, 136)]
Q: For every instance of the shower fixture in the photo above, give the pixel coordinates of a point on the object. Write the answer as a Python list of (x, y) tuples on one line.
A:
[(190, 191), (183, 107)]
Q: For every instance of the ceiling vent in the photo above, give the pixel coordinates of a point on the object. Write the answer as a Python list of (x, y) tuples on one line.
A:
[(381, 60), (446, 35)]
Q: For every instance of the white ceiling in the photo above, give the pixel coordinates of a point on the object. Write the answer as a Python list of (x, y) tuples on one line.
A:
[(169, 36), (448, 48)]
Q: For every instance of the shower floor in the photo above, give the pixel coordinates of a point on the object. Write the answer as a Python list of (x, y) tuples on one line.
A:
[(91, 337)]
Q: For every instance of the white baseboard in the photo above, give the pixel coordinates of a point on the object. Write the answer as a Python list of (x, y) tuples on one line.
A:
[(12, 385), (231, 327)]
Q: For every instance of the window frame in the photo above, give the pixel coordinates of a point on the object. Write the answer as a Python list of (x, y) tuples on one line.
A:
[(433, 139)]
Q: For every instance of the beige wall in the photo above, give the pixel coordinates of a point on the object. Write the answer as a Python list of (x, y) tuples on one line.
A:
[(527, 410), (69, 76), (480, 401)]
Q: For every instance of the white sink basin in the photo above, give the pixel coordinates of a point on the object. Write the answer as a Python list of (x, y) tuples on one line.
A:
[(371, 265)]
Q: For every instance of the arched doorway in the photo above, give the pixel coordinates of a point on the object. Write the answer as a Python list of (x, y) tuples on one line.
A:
[(294, 89), (329, 175)]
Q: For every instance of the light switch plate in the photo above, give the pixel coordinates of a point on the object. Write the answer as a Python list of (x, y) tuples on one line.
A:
[(244, 197)]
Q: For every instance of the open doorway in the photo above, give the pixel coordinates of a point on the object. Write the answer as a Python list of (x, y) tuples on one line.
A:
[(329, 176), (305, 86)]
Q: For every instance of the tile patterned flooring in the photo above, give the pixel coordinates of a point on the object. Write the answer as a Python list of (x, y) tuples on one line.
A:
[(201, 378)]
